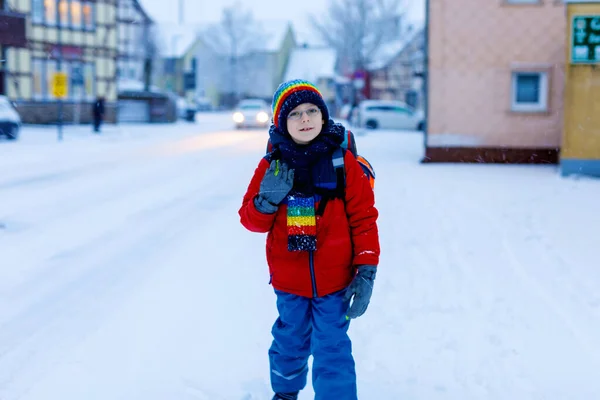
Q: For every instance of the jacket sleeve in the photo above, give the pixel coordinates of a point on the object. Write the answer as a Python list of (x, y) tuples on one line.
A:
[(250, 217), (362, 214)]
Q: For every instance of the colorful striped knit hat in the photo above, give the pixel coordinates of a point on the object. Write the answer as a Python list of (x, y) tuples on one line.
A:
[(290, 95)]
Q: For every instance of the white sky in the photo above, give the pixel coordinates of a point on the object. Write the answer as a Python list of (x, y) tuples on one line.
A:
[(202, 10)]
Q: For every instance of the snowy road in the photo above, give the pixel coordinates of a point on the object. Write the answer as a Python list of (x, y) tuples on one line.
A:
[(125, 273)]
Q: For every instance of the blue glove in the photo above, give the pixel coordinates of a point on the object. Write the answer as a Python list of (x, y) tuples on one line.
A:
[(275, 186), (361, 289)]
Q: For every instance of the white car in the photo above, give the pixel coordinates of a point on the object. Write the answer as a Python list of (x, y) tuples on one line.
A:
[(389, 114), (185, 110), (252, 113), (10, 121)]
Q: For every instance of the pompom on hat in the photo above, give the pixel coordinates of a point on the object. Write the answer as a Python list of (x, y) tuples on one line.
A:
[(290, 95)]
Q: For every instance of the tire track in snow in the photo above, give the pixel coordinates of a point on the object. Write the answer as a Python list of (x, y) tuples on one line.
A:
[(118, 190), (87, 298), (551, 302), (41, 325)]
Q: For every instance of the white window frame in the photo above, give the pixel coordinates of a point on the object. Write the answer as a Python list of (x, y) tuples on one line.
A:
[(542, 104)]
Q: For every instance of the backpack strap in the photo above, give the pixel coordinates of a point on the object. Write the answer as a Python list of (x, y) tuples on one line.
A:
[(337, 160), (340, 172)]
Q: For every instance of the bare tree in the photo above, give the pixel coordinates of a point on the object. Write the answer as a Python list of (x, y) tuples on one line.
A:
[(357, 28), (234, 38)]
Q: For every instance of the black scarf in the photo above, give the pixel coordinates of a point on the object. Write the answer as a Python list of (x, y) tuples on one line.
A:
[(302, 158)]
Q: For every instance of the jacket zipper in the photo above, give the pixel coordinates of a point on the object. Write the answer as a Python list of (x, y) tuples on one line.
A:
[(311, 263)]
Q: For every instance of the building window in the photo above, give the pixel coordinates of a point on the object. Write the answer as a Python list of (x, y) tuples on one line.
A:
[(39, 79), (50, 70), (75, 80), (169, 65), (76, 14), (76, 17), (63, 10), (50, 12), (88, 16), (530, 91), (37, 11), (88, 81)]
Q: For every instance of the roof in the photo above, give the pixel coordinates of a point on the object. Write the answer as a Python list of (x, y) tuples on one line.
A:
[(311, 63), (174, 39), (141, 9), (388, 51), (274, 33)]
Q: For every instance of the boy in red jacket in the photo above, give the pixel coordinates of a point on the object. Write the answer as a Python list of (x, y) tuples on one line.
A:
[(322, 243)]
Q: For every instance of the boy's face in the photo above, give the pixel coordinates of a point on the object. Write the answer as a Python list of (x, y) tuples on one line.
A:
[(304, 123)]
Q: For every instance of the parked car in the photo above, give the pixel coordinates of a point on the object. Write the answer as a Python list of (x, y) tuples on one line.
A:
[(185, 110), (10, 121), (389, 114), (252, 113), (203, 104)]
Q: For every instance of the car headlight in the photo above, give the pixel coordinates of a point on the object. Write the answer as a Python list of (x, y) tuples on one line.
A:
[(238, 117), (262, 117)]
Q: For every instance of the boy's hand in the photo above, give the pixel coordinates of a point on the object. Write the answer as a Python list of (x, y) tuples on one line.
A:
[(275, 186), (361, 289)]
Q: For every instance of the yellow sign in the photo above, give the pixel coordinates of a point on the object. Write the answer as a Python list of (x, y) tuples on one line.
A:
[(60, 85)]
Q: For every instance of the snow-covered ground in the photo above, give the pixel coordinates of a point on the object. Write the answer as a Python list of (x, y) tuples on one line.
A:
[(125, 274)]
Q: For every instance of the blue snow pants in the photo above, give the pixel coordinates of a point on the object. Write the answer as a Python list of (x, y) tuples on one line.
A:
[(316, 326)]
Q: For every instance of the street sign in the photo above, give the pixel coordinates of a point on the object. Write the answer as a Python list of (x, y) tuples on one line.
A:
[(585, 44), (60, 85)]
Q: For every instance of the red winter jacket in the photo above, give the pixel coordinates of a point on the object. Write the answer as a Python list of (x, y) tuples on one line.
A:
[(346, 237)]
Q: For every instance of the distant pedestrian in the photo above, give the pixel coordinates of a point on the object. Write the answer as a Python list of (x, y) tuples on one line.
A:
[(98, 113)]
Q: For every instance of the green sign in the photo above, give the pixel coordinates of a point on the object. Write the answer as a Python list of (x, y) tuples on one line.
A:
[(585, 47)]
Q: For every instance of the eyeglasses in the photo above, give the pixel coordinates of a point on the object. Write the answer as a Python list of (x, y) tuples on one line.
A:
[(296, 115)]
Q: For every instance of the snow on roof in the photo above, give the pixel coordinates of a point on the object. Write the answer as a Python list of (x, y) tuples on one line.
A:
[(174, 39), (388, 51), (311, 63)]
